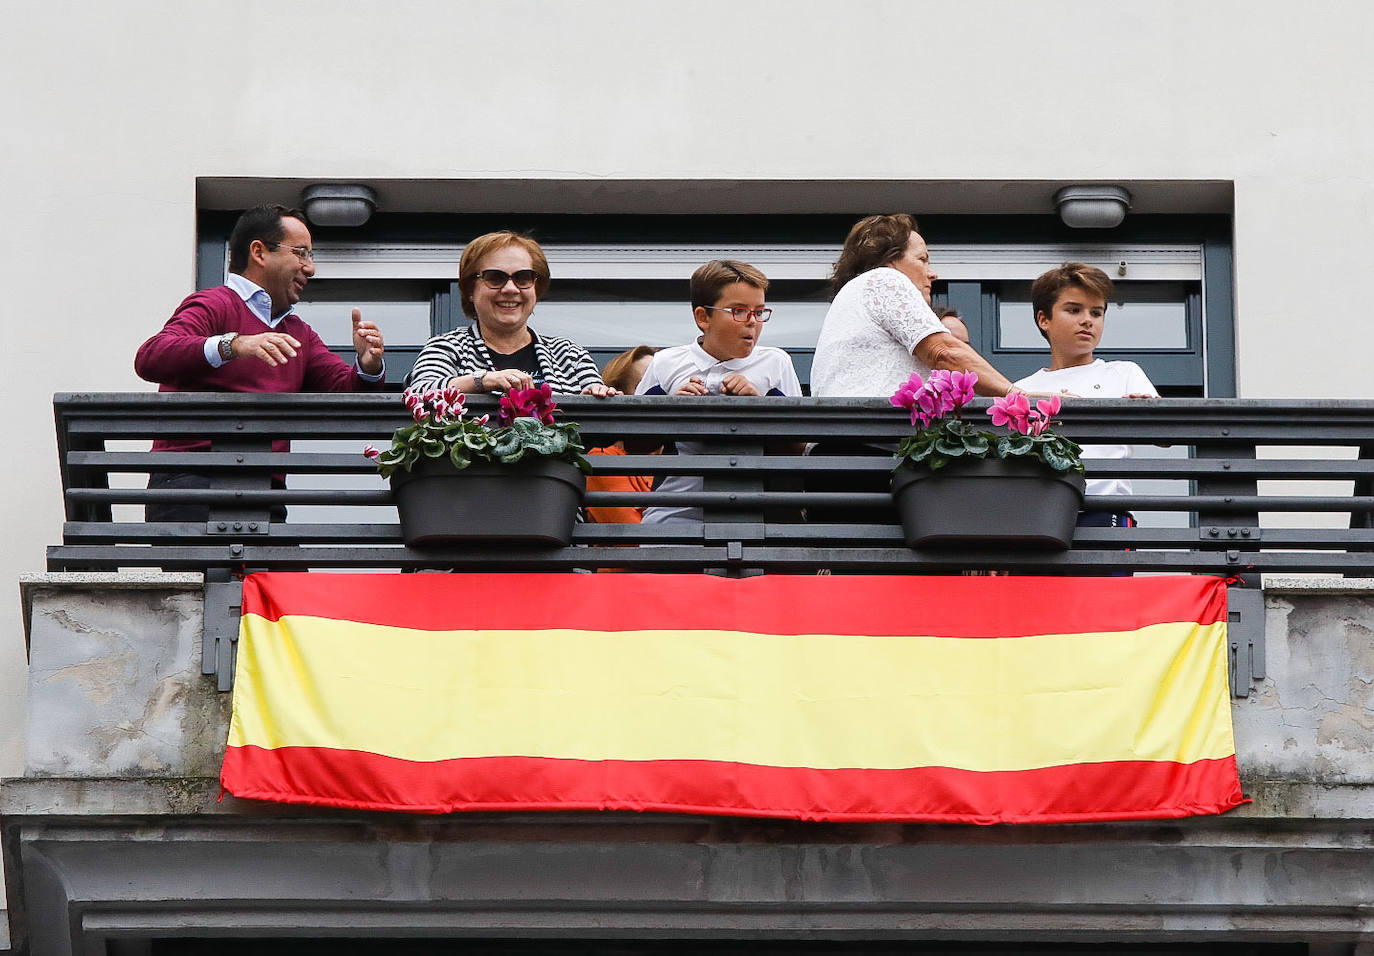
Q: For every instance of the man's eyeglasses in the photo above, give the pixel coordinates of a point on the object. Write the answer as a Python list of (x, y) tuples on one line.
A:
[(496, 279), (740, 314), (303, 253)]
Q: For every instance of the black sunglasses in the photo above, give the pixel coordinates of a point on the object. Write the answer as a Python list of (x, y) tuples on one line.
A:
[(496, 279)]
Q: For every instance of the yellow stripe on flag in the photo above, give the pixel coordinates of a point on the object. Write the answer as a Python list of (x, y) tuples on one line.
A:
[(818, 701)]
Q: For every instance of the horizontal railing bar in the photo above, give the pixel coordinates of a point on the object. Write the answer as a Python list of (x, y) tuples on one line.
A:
[(351, 404), (236, 416), (173, 534), (695, 558), (799, 428), (231, 496), (304, 462), (713, 499)]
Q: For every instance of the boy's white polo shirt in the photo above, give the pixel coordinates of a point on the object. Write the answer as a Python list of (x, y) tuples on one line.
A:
[(1097, 379), (770, 369)]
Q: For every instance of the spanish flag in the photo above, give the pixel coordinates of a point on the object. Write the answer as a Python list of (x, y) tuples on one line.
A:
[(968, 700)]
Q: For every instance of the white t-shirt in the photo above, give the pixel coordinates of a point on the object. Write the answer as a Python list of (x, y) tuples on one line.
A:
[(864, 349), (1097, 379), (770, 369)]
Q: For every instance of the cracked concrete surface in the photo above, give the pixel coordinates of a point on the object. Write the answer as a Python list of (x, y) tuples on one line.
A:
[(115, 688), (1312, 718)]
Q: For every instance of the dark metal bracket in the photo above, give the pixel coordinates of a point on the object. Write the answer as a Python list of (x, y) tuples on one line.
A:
[(237, 528), (1245, 637), (220, 629), (1221, 532)]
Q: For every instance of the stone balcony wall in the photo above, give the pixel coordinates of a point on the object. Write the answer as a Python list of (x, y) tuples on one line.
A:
[(120, 793), (116, 692)]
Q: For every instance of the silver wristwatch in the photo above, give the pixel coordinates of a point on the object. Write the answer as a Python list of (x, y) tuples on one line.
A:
[(478, 378), (226, 345)]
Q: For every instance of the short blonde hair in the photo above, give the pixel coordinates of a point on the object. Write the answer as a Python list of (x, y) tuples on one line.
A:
[(481, 247)]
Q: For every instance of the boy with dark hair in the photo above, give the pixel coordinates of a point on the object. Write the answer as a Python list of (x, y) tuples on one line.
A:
[(1070, 304), (728, 307)]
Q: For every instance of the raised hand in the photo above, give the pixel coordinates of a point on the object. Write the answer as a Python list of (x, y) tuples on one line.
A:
[(367, 342)]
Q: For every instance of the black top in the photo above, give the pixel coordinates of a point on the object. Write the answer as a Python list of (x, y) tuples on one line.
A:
[(524, 359)]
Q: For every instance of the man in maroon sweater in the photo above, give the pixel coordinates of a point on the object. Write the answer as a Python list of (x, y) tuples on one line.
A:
[(243, 337)]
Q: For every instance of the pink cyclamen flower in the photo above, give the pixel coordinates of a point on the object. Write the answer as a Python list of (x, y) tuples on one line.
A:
[(1049, 407), (543, 403), (961, 387), (939, 381), (932, 403), (509, 409), (483, 420), (371, 451), (419, 413), (1009, 410), (534, 402), (905, 396)]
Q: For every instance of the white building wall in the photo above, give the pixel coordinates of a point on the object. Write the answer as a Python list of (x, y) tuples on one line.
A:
[(110, 112)]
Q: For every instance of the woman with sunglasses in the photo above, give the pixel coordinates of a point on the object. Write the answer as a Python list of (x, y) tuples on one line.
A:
[(500, 278)]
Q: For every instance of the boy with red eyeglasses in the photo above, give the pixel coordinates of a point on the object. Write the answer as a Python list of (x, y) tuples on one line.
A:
[(726, 359)]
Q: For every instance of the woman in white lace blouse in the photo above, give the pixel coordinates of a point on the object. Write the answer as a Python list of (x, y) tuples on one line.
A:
[(880, 327)]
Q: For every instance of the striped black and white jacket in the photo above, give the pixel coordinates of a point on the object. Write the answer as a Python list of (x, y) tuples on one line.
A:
[(564, 364)]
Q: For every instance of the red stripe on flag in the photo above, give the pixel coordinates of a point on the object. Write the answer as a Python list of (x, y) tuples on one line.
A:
[(774, 604), (1121, 790)]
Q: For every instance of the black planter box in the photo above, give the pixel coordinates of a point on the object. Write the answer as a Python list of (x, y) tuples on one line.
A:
[(532, 502), (992, 502)]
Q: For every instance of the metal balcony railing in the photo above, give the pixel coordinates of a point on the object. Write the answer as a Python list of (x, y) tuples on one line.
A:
[(1228, 463), (1224, 487)]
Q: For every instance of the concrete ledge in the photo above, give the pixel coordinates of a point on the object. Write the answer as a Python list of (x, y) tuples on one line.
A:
[(114, 580), (1273, 802), (97, 864), (1316, 584)]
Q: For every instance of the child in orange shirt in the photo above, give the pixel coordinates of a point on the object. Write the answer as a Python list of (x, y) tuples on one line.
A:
[(622, 372)]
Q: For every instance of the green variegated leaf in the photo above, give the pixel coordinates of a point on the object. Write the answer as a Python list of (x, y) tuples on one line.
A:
[(1057, 461), (465, 441), (977, 444)]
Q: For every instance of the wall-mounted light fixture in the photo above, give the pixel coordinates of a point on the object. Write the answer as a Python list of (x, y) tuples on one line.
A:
[(338, 204), (1092, 207)]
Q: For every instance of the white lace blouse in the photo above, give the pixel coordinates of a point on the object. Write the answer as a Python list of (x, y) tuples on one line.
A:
[(866, 340)]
